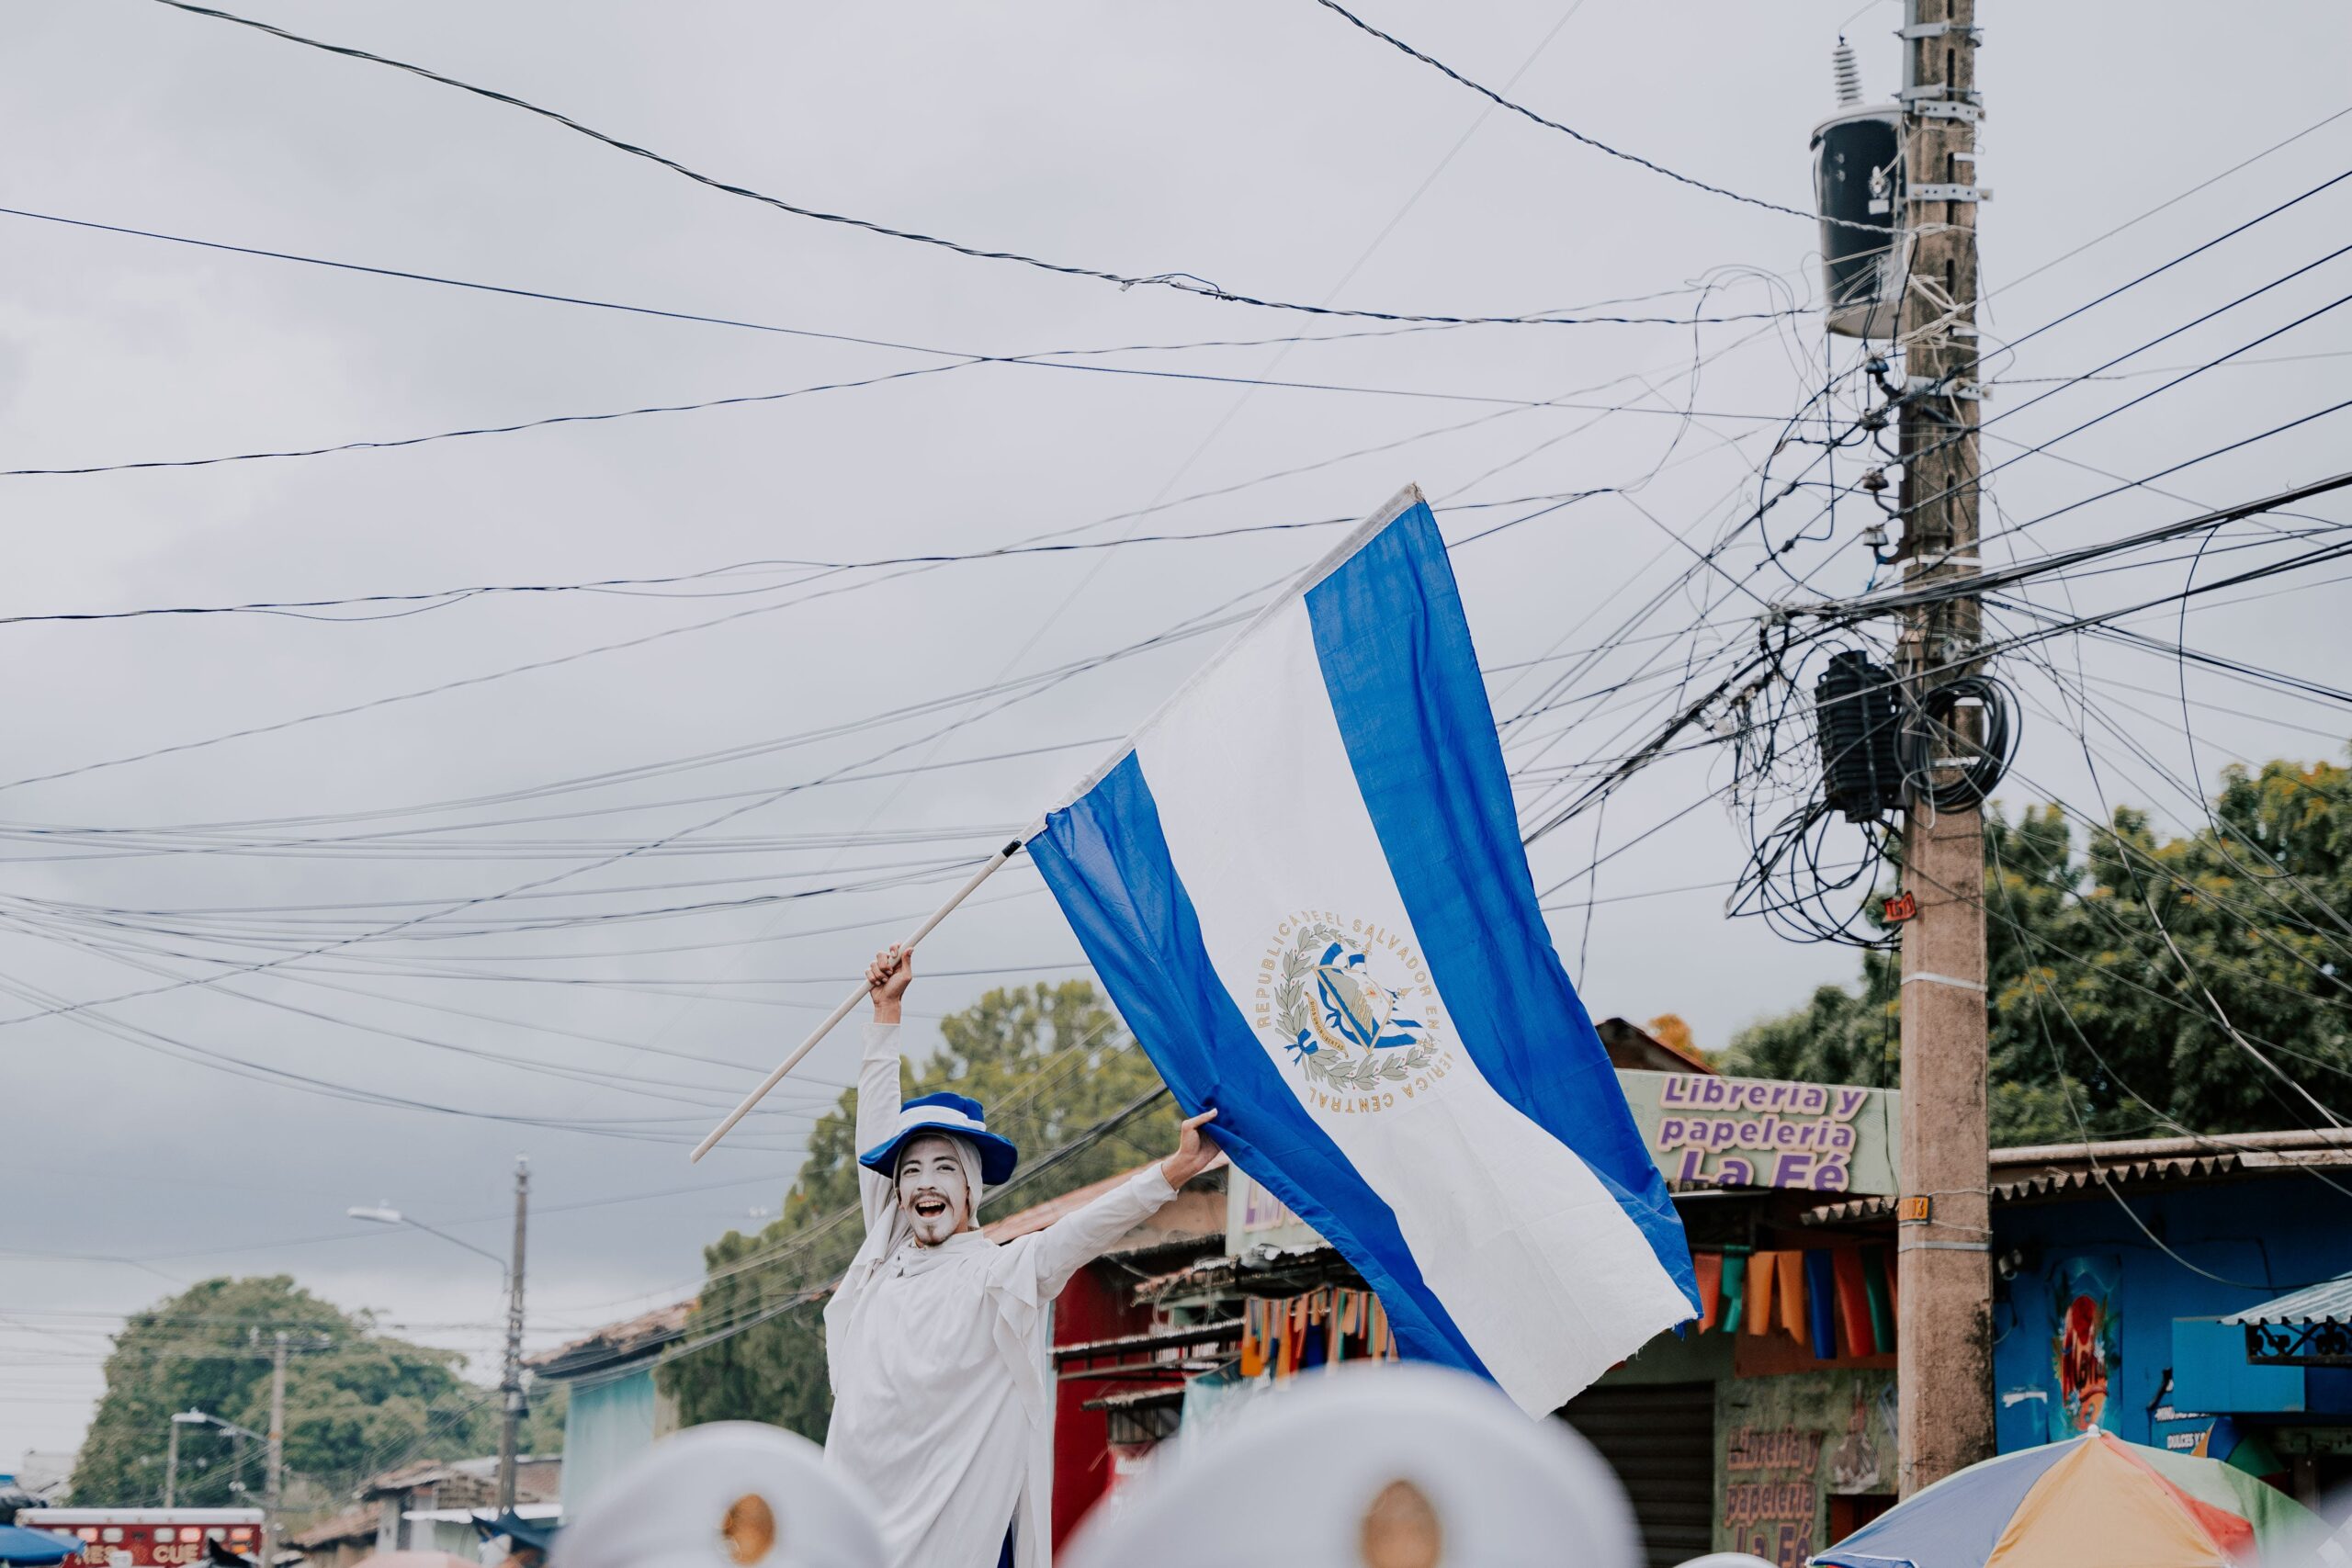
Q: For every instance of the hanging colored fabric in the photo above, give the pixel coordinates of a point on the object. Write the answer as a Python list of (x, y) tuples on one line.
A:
[(1789, 1285), (1821, 1303), (1708, 1268), (1734, 1289), (1875, 1286), (1853, 1302), (1253, 1348), (1763, 1270)]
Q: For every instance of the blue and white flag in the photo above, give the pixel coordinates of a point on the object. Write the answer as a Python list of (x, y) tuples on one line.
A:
[(1303, 885)]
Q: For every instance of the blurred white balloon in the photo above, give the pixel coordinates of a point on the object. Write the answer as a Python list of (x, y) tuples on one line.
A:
[(1374, 1467), (730, 1494)]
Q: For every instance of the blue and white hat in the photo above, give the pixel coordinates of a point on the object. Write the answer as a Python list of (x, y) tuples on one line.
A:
[(946, 1113)]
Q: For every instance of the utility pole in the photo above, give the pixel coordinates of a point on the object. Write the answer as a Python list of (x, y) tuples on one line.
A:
[(510, 1383), (172, 1465), (1943, 1344), (276, 1493)]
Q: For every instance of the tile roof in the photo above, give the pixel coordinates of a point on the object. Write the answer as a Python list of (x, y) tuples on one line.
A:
[(616, 1343), (349, 1525)]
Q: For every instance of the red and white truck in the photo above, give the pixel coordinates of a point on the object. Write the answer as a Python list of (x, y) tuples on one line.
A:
[(150, 1538)]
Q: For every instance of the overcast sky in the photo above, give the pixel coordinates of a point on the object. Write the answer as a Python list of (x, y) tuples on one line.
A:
[(1267, 147)]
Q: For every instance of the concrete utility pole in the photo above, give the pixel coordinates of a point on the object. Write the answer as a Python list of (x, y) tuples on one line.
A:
[(510, 1383), (276, 1493), (1943, 1355), (172, 1466)]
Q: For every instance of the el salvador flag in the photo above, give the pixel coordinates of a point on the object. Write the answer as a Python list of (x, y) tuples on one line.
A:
[(1303, 885)]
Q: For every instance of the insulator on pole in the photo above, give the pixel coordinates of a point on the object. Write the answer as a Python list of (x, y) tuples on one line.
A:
[(1847, 72)]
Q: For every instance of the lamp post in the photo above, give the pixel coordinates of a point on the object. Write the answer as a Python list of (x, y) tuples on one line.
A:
[(511, 1376), (191, 1417), (384, 1216), (172, 1457)]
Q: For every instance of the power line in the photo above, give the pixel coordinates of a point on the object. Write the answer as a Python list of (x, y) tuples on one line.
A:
[(1594, 142), (745, 400), (1183, 283), (1567, 315), (438, 598), (1998, 577)]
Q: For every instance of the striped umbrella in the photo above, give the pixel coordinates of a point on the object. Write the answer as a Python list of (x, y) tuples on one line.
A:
[(19, 1545), (2090, 1502)]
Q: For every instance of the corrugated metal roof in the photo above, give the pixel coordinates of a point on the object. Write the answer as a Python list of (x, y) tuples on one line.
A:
[(2328, 1302), (2048, 1183), (2063, 1173)]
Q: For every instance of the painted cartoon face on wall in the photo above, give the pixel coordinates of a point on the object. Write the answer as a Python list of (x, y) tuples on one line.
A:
[(933, 1192), (2082, 1362)]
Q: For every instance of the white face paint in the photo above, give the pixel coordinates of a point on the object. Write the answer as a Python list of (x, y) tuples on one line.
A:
[(933, 1192)]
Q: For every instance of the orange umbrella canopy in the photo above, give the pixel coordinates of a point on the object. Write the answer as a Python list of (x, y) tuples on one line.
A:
[(2091, 1502)]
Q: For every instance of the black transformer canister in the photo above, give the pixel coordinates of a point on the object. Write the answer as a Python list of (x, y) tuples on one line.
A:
[(1858, 189)]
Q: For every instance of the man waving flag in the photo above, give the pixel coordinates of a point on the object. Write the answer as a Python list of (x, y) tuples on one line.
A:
[(1301, 882)]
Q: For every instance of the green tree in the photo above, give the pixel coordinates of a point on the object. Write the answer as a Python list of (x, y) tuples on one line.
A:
[(1049, 1062), (2138, 982), (357, 1401)]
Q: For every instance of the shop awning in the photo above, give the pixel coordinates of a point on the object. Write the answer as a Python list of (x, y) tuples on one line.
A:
[(2309, 1327)]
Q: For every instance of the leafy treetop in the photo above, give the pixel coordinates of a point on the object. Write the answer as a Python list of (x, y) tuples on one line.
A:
[(2134, 977)]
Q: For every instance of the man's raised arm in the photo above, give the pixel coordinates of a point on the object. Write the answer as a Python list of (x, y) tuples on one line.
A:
[(1075, 1239), (877, 1078)]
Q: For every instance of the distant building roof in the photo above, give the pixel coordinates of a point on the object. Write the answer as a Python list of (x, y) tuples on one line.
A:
[(468, 1482), (45, 1474), (2045, 1171), (1631, 1045), (615, 1345), (2327, 1302), (352, 1524)]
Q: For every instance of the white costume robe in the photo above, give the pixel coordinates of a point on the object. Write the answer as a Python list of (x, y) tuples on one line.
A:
[(940, 1358)]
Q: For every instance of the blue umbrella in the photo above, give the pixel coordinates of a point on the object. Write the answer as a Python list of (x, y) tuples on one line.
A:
[(18, 1544)]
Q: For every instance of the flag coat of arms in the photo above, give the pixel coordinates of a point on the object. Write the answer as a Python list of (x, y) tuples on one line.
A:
[(1303, 885)]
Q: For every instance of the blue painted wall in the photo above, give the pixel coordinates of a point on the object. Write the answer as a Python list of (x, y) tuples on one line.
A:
[(2271, 1234), (608, 1424)]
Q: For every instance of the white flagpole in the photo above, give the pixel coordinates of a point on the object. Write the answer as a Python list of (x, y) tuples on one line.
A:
[(850, 1002)]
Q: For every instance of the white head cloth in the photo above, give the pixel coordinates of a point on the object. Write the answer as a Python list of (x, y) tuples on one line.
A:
[(730, 1494), (886, 1239), (1373, 1467)]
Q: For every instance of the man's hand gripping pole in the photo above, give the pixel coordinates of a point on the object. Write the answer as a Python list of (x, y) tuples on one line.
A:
[(851, 1001)]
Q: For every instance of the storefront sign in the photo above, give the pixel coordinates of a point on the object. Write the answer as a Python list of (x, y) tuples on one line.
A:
[(1802, 1459), (1255, 1217), (1726, 1131), (1770, 1500), (1703, 1130)]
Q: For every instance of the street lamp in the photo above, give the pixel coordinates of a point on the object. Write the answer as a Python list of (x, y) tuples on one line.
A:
[(192, 1416), (510, 1383), (383, 1214)]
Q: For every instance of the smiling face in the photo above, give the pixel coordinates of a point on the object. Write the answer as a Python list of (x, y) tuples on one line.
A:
[(933, 1192)]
